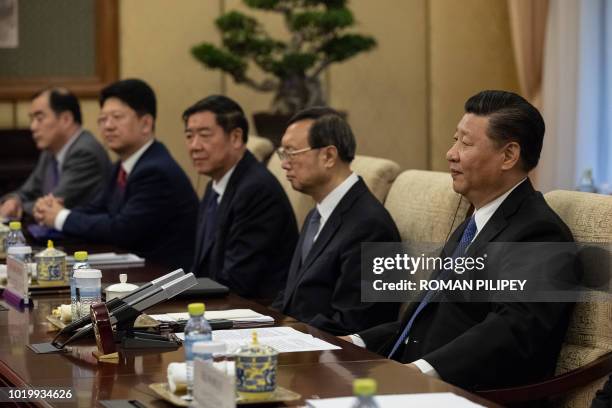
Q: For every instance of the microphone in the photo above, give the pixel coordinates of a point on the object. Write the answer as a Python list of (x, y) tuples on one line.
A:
[(143, 292)]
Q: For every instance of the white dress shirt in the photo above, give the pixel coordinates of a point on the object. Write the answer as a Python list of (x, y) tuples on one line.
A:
[(481, 217), (127, 165), (327, 206), (220, 186)]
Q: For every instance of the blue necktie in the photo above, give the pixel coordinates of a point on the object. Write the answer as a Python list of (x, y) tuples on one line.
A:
[(466, 238), (311, 230)]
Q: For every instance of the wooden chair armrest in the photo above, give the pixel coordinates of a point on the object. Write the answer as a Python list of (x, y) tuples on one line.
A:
[(558, 385)]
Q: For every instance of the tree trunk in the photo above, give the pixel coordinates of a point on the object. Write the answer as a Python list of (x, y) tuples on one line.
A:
[(297, 93)]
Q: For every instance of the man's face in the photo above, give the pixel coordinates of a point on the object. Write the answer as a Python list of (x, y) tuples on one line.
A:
[(305, 171), (45, 125), (474, 160), (123, 130), (212, 151)]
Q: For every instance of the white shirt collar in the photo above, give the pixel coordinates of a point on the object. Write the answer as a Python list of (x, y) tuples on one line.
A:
[(330, 202), (484, 213), (221, 185), (61, 155), (129, 163)]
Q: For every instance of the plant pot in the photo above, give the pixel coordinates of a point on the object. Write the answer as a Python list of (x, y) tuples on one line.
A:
[(271, 125)]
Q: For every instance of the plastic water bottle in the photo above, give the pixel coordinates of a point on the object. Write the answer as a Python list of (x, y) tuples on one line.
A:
[(15, 236), (80, 262), (364, 390), (197, 329), (587, 184), (88, 284)]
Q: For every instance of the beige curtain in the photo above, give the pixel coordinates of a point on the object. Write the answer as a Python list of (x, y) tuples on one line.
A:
[(528, 26)]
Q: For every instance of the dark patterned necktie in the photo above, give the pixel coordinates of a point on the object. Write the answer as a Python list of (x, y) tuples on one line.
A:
[(209, 222), (466, 238)]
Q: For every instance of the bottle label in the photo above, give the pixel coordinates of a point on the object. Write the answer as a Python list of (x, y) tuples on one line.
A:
[(191, 339)]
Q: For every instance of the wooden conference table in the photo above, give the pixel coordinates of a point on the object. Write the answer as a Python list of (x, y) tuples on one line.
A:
[(321, 374)]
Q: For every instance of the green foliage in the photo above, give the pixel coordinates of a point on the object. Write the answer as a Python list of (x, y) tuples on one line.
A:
[(323, 21), (347, 46), (318, 38), (216, 58)]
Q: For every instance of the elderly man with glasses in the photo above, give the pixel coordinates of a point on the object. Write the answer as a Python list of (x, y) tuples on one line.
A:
[(324, 284)]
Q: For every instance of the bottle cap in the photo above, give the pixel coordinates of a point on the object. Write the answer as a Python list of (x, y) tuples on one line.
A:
[(49, 244), (87, 273), (196, 309), (212, 347), (19, 250), (80, 256), (15, 225), (364, 386)]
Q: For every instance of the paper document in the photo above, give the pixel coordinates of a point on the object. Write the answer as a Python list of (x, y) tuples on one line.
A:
[(437, 400), (236, 315), (111, 259), (283, 339)]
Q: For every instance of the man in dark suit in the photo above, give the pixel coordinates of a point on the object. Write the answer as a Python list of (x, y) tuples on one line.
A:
[(487, 344), (246, 229), (149, 206), (72, 163), (324, 284), (603, 398)]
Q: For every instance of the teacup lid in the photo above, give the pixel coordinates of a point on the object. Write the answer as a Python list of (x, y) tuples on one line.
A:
[(50, 252), (123, 286), (255, 349)]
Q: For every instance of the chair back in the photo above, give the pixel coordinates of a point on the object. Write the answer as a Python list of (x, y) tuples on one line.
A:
[(589, 335)]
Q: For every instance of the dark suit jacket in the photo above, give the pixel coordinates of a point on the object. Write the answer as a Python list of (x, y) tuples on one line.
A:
[(255, 236), (482, 345), (84, 169), (325, 289), (603, 398), (155, 217)]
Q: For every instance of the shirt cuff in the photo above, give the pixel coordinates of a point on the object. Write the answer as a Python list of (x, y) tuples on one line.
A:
[(357, 340), (60, 219), (426, 368)]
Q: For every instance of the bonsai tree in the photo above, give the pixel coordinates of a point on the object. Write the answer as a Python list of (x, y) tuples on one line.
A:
[(318, 38)]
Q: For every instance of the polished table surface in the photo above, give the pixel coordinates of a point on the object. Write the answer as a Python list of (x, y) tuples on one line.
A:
[(320, 374)]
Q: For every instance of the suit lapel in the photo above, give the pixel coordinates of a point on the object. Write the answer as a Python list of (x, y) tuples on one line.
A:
[(332, 225), (116, 195), (499, 221), (295, 268), (496, 224), (224, 206)]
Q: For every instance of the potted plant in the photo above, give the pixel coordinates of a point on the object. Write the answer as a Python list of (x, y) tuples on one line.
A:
[(318, 37)]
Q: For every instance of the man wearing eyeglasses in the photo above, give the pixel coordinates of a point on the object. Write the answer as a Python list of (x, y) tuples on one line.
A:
[(246, 228), (324, 284), (149, 205)]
